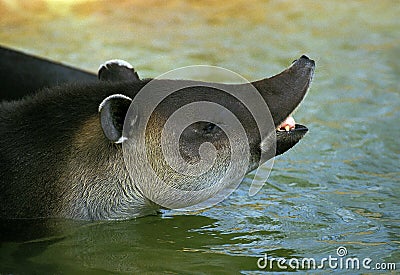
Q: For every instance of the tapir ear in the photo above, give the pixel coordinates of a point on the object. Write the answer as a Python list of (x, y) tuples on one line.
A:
[(117, 70), (112, 111)]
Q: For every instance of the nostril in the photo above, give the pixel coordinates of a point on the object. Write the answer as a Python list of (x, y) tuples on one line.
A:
[(305, 58), (308, 61)]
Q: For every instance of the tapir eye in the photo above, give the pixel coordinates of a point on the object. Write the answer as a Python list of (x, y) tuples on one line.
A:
[(209, 128)]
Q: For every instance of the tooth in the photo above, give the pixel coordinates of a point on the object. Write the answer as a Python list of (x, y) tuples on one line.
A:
[(287, 128)]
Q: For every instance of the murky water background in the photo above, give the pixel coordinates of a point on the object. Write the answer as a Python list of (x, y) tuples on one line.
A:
[(338, 187)]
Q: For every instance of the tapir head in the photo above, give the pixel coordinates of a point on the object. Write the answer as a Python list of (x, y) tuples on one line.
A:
[(123, 149), (277, 97)]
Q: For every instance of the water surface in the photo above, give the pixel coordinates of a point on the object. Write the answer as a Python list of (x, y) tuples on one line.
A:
[(338, 187)]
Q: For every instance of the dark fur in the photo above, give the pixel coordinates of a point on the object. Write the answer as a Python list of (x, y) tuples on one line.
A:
[(51, 144), (55, 160)]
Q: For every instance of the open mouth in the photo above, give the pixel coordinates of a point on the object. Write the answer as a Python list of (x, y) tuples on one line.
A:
[(289, 125), (288, 133)]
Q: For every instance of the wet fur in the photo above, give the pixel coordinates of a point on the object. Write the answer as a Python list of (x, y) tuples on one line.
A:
[(60, 146), (55, 160)]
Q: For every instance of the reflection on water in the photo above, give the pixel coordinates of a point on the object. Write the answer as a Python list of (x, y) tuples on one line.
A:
[(339, 186), (136, 246)]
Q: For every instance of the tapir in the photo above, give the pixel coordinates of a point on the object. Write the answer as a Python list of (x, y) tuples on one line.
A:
[(61, 145)]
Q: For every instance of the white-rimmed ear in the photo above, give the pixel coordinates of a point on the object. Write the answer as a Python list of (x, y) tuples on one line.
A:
[(112, 111), (117, 70)]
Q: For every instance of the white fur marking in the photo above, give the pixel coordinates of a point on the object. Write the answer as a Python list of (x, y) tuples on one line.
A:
[(113, 96), (121, 139), (119, 62)]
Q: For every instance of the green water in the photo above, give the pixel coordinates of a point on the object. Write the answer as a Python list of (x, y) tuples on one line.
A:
[(338, 187)]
